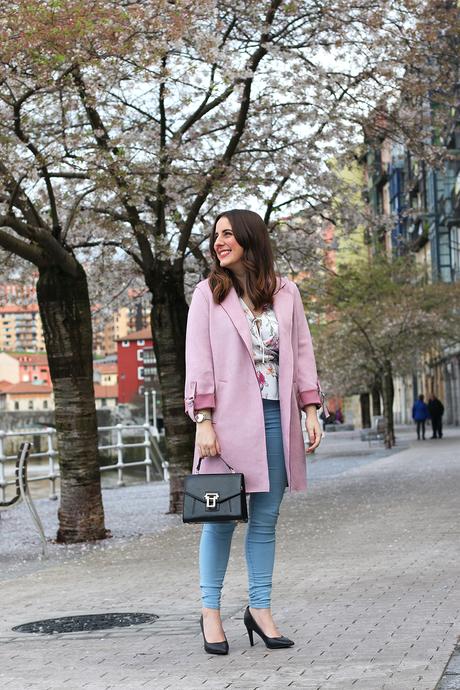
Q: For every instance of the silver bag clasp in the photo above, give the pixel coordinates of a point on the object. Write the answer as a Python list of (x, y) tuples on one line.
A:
[(211, 499)]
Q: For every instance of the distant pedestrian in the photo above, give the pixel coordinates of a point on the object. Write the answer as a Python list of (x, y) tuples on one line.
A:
[(436, 410), (323, 419), (338, 416), (420, 414)]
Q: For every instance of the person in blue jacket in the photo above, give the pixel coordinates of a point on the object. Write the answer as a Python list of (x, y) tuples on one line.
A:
[(420, 414)]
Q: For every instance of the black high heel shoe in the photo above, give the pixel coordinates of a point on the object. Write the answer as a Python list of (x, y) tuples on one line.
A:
[(270, 642), (213, 647)]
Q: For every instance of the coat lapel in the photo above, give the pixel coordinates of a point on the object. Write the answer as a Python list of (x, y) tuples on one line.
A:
[(232, 306), (282, 306)]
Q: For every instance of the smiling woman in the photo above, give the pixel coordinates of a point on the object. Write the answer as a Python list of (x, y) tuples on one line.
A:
[(226, 246), (243, 258), (250, 368)]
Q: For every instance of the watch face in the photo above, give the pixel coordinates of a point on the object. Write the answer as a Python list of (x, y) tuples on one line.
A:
[(199, 417)]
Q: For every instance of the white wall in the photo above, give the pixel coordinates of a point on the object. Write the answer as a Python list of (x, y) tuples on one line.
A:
[(9, 368), (24, 400)]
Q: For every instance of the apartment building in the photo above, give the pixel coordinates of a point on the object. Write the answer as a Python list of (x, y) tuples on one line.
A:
[(419, 207), (21, 328), (16, 292), (25, 397), (132, 316)]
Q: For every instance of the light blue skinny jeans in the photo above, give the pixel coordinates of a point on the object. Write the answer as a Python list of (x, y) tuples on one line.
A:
[(216, 538)]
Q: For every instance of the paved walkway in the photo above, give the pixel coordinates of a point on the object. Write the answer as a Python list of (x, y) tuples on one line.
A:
[(366, 583)]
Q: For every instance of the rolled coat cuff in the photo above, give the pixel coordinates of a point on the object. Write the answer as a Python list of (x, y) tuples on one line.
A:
[(310, 398), (204, 400), (200, 401)]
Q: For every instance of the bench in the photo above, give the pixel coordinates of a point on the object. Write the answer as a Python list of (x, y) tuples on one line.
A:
[(376, 432)]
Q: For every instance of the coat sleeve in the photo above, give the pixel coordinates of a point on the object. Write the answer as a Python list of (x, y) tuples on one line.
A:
[(199, 370), (307, 377)]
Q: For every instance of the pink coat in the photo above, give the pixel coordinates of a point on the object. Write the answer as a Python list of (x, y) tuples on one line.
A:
[(220, 374)]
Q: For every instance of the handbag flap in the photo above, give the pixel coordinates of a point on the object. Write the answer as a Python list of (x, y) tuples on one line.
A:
[(226, 485)]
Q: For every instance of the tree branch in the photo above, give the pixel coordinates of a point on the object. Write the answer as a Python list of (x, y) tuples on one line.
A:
[(44, 239), (160, 224), (274, 196), (69, 175), (73, 211), (206, 106), (102, 138), (218, 169), (22, 136), (110, 243), (19, 247), (19, 199)]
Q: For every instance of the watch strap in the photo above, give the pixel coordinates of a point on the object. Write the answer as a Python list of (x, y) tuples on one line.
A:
[(205, 417)]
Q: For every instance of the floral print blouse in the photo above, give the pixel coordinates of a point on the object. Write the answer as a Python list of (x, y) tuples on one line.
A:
[(265, 347)]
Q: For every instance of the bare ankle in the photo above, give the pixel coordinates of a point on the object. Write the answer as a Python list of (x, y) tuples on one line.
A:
[(260, 612), (211, 613)]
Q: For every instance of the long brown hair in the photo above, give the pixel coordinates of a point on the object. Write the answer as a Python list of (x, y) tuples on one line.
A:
[(251, 233)]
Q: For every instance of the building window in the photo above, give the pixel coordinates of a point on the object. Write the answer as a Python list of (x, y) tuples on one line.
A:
[(45, 404), (141, 342), (30, 404), (140, 372), (16, 405), (140, 355), (125, 343)]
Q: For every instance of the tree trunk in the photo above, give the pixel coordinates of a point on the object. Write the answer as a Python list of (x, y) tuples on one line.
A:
[(376, 408), (388, 397), (169, 321), (366, 422), (65, 311)]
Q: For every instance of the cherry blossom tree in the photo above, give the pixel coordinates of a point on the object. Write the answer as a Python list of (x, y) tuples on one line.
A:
[(40, 197), (244, 108)]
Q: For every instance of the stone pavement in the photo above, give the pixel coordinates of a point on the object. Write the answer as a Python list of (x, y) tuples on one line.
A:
[(366, 583)]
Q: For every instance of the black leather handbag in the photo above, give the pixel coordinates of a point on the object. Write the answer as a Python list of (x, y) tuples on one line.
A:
[(215, 497)]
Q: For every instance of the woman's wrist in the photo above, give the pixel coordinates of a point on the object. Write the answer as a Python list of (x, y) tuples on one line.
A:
[(203, 415), (310, 410)]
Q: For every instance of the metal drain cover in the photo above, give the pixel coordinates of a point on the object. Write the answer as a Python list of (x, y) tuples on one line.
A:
[(97, 621)]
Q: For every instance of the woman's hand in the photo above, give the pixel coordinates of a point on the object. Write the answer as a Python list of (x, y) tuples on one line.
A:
[(313, 428), (206, 439)]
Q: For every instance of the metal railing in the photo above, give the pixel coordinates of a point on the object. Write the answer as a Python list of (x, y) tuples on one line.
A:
[(23, 493), (148, 433)]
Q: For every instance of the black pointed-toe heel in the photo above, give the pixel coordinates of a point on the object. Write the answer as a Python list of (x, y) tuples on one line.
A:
[(270, 642), (213, 647)]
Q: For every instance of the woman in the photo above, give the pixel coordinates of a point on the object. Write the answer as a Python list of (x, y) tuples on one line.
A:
[(250, 368)]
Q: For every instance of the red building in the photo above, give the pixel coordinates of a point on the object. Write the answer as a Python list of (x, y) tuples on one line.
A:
[(130, 351)]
